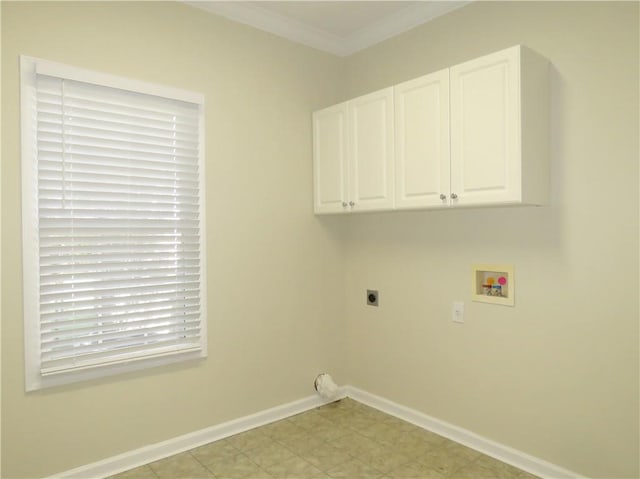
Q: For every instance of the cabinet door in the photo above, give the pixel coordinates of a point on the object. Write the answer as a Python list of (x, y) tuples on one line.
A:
[(371, 151), (330, 160), (485, 130), (422, 142)]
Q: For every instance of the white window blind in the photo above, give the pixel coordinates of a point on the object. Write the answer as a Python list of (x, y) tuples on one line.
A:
[(116, 178)]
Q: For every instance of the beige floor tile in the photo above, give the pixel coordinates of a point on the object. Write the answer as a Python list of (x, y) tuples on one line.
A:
[(355, 444), (295, 468), (330, 431), (413, 445), (282, 429), (331, 411), (269, 454), (184, 466), (214, 452), (429, 437), (308, 420), (354, 469), (234, 467), (443, 461), (382, 433), (142, 472), (400, 425), (260, 474), (414, 470), (373, 413), (300, 444), (325, 456), (249, 440), (479, 471), (347, 419), (384, 459), (359, 422)]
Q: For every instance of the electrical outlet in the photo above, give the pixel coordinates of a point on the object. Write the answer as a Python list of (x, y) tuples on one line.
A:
[(372, 297), (458, 312)]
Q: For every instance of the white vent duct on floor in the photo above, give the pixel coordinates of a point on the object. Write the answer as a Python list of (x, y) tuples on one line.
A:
[(326, 387)]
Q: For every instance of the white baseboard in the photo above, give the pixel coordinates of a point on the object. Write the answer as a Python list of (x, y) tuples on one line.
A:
[(154, 452), (467, 438)]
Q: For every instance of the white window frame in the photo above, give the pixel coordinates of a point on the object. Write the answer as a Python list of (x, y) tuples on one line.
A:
[(34, 379)]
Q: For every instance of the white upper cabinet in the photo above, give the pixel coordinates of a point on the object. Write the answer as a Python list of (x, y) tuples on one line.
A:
[(330, 169), (499, 129), (476, 134), (371, 151), (422, 142), (353, 155)]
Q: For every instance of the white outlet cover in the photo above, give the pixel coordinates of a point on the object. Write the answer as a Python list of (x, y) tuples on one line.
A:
[(458, 312)]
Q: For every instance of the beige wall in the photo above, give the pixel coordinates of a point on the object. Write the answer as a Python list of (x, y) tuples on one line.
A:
[(557, 375), (0, 257), (269, 260)]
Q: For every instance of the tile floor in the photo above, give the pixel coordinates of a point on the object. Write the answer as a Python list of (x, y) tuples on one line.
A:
[(342, 440)]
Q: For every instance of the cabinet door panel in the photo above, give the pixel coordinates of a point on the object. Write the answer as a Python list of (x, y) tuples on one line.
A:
[(330, 159), (422, 141), (371, 135), (485, 129)]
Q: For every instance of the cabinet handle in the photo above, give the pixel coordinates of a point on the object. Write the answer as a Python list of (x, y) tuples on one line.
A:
[(454, 196), (443, 196), (352, 204), (344, 204)]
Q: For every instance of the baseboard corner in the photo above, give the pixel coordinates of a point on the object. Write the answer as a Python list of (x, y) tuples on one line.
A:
[(154, 452), (501, 452)]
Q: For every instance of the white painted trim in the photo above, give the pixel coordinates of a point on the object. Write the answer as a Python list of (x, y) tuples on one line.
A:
[(69, 72), (465, 437), (0, 256), (249, 13), (147, 454), (280, 25), (397, 23)]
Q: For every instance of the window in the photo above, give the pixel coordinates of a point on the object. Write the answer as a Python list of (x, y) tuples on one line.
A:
[(113, 224)]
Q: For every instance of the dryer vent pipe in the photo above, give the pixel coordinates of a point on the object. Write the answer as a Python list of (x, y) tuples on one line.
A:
[(327, 389)]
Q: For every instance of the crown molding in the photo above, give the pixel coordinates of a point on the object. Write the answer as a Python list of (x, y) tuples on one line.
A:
[(280, 25), (397, 23), (299, 32)]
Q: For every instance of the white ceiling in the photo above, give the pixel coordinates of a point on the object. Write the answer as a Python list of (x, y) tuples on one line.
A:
[(338, 27)]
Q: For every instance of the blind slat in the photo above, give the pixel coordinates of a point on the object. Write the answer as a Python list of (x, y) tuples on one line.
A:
[(117, 332), (116, 189), (127, 169), (174, 163), (115, 315), (50, 119), (82, 310), (56, 255), (89, 291), (74, 282)]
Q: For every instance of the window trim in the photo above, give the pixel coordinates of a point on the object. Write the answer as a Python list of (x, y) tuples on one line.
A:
[(29, 67)]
